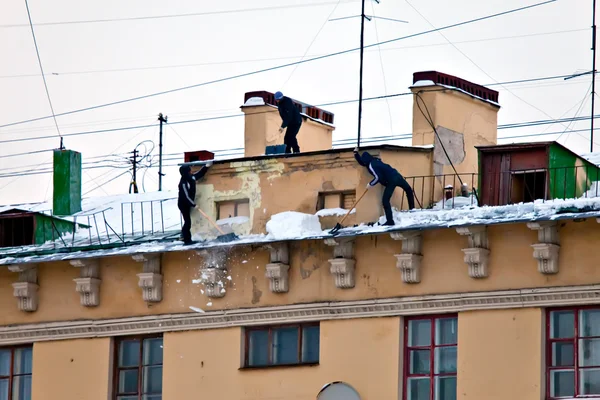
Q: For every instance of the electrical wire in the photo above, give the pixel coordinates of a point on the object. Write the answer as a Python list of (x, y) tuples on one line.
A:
[(206, 83), (42, 69), (197, 14)]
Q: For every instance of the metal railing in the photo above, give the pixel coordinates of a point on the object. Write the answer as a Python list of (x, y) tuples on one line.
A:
[(504, 187)]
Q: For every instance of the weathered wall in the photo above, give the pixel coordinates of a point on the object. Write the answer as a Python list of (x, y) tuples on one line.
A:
[(261, 129), (208, 362), (512, 266), (72, 370), (500, 355), (293, 184), (462, 123)]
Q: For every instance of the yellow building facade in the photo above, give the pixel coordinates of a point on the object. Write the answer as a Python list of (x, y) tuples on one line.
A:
[(489, 304)]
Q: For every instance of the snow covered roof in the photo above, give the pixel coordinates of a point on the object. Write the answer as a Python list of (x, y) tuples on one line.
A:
[(306, 229), (594, 158), (427, 83)]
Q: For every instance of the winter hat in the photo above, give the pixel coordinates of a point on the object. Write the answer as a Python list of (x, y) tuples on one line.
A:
[(185, 170), (278, 96)]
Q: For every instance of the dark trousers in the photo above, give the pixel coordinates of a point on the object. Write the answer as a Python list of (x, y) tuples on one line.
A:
[(397, 181), (290, 140), (187, 223)]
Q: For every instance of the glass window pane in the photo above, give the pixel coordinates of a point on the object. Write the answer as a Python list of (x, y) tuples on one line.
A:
[(419, 332), (562, 324), (418, 389), (419, 362), (4, 389), (310, 344), (589, 381), (589, 352), (153, 351), (285, 345), (23, 361), (589, 323), (563, 354), (21, 389), (445, 360), (151, 397), (562, 383), (128, 381), (446, 331), (4, 363), (127, 398), (258, 348), (129, 353), (445, 388), (152, 380)]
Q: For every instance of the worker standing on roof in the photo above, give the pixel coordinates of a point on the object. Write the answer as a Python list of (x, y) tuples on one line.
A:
[(291, 119), (187, 197), (388, 177)]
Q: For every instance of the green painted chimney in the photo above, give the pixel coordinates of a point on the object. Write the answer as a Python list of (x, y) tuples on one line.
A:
[(67, 182)]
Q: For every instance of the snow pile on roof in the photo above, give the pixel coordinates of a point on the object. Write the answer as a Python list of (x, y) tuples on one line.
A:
[(254, 101), (594, 158), (486, 214), (292, 224), (456, 202), (233, 220), (328, 212), (422, 83), (594, 191)]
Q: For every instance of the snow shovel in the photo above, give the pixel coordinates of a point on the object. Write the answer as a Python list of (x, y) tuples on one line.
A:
[(223, 237), (338, 226)]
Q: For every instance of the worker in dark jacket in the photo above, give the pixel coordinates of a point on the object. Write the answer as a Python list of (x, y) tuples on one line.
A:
[(291, 119), (187, 195), (388, 177)]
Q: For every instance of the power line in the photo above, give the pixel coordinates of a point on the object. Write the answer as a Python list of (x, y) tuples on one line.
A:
[(209, 63), (284, 65), (197, 14), (42, 69)]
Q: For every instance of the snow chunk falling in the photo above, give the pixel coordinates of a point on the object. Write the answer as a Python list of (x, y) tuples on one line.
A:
[(198, 310), (292, 224)]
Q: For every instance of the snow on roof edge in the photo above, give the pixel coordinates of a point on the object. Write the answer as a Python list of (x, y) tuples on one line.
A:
[(425, 83), (167, 247)]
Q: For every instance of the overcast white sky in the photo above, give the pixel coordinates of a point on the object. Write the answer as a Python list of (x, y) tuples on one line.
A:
[(93, 63)]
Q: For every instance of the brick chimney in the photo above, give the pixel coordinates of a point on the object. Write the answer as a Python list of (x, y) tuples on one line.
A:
[(262, 122), (464, 114)]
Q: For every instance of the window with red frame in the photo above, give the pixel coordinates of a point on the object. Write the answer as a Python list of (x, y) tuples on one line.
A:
[(139, 368), (573, 352), (15, 373), (430, 358)]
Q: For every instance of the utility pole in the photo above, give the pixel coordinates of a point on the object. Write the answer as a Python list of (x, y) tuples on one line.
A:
[(593, 72), (134, 163), (160, 152), (360, 90)]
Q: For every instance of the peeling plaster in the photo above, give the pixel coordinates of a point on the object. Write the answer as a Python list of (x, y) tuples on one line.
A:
[(454, 143)]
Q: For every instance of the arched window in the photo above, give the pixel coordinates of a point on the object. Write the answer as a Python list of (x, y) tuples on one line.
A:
[(338, 391)]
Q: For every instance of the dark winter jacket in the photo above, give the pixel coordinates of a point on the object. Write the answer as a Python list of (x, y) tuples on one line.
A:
[(187, 186), (382, 172), (289, 113)]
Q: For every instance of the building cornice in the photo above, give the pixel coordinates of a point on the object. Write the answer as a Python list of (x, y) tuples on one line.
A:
[(390, 307)]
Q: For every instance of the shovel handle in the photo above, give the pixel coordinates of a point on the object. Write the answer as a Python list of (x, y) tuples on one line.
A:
[(350, 210), (210, 220)]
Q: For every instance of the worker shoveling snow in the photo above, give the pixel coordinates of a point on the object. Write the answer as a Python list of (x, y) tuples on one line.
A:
[(292, 224)]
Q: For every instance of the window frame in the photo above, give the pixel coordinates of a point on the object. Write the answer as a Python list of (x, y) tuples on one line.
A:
[(139, 367), (235, 202), (432, 346), (11, 375), (575, 341), (300, 326), (341, 193)]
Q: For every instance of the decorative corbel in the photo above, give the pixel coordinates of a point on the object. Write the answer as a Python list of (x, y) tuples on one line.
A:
[(409, 260), (278, 267), (477, 254), (214, 271), (342, 265), (26, 287), (547, 250), (88, 283), (150, 279)]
